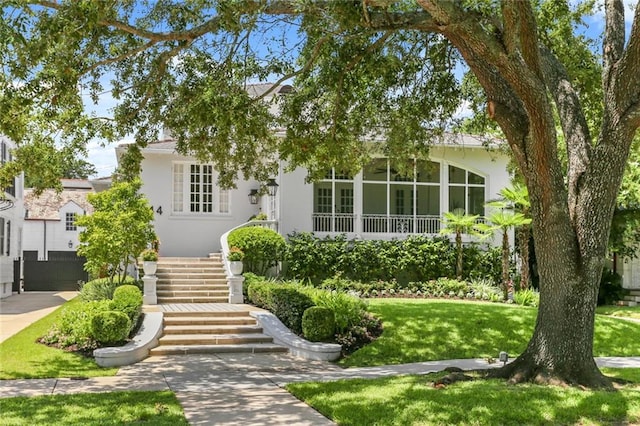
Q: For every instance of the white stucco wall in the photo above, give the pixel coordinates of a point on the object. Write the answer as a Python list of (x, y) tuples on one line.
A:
[(631, 273), (13, 218), (51, 235), (189, 234)]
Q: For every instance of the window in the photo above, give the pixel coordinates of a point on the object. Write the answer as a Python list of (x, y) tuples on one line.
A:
[(70, 221), (333, 203), (466, 191), (194, 190)]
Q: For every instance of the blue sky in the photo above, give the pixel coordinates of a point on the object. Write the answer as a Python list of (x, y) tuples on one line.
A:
[(104, 159)]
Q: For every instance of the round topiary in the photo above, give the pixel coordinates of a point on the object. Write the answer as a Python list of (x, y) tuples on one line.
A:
[(318, 324), (110, 327), (128, 299)]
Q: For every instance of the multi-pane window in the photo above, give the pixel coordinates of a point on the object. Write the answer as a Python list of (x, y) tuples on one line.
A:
[(466, 191), (70, 221), (333, 203), (194, 190)]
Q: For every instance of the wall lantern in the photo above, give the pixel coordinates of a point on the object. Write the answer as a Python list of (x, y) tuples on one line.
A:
[(272, 187), (159, 210), (254, 196), (70, 244)]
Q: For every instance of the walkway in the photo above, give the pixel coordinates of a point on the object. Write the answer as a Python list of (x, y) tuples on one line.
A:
[(239, 389), (21, 310)]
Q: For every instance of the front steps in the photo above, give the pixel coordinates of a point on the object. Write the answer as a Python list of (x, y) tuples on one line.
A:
[(631, 299), (191, 280), (198, 332)]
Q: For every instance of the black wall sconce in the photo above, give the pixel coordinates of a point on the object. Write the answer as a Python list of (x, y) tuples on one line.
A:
[(272, 187), (254, 196), (159, 210), (70, 244)]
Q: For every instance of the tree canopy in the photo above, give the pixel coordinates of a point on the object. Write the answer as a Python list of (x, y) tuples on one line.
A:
[(386, 70)]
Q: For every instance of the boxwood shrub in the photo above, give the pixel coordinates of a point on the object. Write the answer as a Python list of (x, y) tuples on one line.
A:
[(263, 248), (318, 324), (110, 327), (128, 300)]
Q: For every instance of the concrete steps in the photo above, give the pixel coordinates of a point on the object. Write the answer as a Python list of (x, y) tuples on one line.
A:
[(191, 280), (631, 299), (197, 329)]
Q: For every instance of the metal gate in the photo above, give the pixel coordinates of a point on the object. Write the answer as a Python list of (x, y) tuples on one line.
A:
[(62, 271)]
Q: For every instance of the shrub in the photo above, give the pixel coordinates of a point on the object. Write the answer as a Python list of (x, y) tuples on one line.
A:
[(528, 297), (74, 325), (610, 288), (312, 258), (347, 309), (101, 288), (366, 331), (288, 304), (259, 294), (128, 299), (318, 324), (263, 248), (110, 327)]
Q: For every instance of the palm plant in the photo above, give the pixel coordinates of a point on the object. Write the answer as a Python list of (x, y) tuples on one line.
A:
[(458, 223), (503, 221), (516, 198)]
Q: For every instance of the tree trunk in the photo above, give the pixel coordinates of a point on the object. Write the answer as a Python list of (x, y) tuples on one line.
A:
[(505, 264), (523, 243), (459, 251)]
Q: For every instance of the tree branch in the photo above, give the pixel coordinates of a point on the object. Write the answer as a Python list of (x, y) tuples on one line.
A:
[(573, 121), (613, 43), (628, 83)]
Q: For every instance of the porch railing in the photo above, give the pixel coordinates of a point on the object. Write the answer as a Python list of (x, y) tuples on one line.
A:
[(377, 223)]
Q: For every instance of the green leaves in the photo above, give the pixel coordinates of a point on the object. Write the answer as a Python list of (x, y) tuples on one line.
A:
[(117, 231)]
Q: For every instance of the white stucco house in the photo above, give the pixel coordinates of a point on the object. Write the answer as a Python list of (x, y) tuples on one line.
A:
[(49, 219), (11, 222), (191, 212)]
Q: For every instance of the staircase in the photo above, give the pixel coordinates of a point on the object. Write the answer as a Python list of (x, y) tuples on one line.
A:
[(632, 299), (191, 280), (193, 295)]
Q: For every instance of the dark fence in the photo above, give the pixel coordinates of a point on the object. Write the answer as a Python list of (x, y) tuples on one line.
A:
[(16, 276), (61, 272)]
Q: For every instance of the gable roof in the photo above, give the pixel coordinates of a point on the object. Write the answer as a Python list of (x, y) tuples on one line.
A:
[(47, 206)]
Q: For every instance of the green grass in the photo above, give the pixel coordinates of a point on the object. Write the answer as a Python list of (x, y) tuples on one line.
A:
[(425, 330), (620, 311), (117, 408), (412, 400), (21, 357)]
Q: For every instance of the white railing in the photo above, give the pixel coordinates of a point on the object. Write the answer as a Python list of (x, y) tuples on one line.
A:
[(224, 243), (339, 222), (400, 224)]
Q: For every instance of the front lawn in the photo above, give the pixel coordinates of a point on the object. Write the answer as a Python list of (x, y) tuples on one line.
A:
[(412, 400), (116, 408), (21, 357), (425, 330), (620, 311)]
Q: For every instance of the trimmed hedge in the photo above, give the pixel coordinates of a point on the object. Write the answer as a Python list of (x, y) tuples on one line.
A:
[(110, 327), (263, 248), (416, 258), (288, 304), (128, 299), (318, 324)]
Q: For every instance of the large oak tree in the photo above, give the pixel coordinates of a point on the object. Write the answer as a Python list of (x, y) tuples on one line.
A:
[(361, 68)]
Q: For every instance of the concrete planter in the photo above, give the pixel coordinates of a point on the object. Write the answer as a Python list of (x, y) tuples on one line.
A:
[(150, 267), (235, 267)]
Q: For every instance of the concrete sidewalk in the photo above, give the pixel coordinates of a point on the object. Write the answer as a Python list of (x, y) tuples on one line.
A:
[(21, 310), (240, 389)]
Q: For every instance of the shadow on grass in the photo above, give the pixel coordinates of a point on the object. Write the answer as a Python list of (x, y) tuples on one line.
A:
[(418, 330), (117, 408), (413, 400)]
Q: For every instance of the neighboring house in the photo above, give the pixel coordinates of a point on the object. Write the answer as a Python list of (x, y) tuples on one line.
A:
[(192, 212), (11, 222), (50, 218)]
